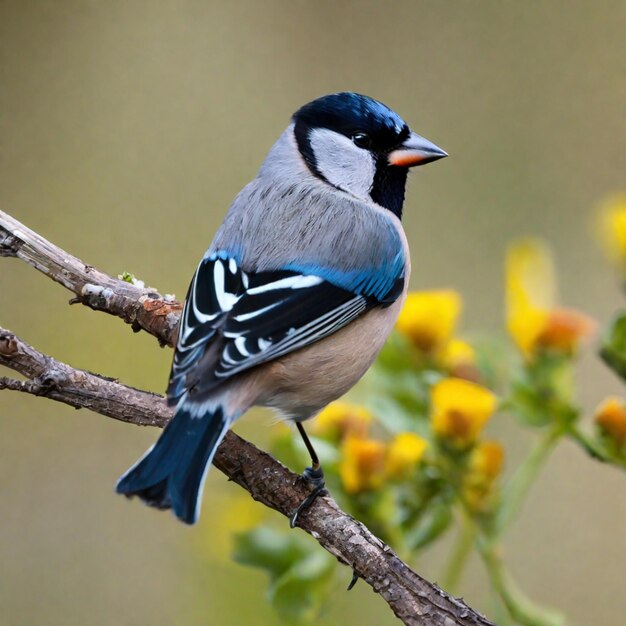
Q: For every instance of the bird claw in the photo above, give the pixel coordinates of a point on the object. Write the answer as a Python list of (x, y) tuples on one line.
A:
[(315, 477), (355, 578)]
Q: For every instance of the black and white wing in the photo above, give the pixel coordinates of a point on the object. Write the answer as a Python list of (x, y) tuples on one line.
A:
[(233, 320)]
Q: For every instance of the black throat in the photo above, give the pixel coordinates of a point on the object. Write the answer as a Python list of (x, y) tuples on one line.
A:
[(389, 181), (389, 185)]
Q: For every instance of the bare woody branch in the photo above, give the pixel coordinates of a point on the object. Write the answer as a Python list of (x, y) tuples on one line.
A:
[(142, 308), (415, 601)]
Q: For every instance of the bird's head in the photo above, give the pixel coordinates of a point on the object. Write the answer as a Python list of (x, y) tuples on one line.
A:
[(360, 146)]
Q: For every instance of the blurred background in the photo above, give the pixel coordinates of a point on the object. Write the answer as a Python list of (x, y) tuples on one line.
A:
[(126, 128)]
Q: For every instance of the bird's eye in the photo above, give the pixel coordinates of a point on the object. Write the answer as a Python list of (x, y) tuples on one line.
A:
[(362, 140)]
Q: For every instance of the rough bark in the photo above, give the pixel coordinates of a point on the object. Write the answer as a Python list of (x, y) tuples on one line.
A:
[(142, 308), (414, 600)]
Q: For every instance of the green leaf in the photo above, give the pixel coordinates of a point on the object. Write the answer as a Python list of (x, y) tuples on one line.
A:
[(543, 393), (300, 573), (613, 348), (299, 594), (267, 549), (397, 355), (430, 527), (394, 416)]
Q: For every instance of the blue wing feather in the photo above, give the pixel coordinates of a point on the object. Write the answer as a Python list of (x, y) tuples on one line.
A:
[(376, 281), (234, 320)]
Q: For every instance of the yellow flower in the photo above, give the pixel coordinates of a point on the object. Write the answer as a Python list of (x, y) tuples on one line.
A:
[(404, 452), (362, 464), (484, 467), (487, 459), (459, 410), (564, 330), (610, 418), (530, 291), (459, 358), (340, 419), (457, 352), (428, 318), (533, 319), (613, 227)]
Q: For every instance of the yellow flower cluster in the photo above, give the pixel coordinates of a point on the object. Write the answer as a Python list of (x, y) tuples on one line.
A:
[(428, 319), (459, 411), (366, 463), (534, 320), (483, 470), (404, 452), (362, 464)]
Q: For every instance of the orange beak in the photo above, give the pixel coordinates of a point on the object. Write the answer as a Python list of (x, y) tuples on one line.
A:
[(414, 151)]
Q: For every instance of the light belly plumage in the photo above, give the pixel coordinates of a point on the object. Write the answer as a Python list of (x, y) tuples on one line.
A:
[(304, 382)]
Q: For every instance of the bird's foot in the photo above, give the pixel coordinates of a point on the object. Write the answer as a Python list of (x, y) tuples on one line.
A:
[(313, 476), (355, 578)]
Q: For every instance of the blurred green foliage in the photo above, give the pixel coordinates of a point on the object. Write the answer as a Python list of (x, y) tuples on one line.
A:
[(299, 576)]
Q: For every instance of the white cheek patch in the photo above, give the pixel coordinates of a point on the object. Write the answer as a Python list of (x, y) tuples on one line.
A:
[(343, 164)]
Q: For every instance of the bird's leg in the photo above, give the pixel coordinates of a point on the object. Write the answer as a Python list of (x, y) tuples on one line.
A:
[(313, 475), (355, 578)]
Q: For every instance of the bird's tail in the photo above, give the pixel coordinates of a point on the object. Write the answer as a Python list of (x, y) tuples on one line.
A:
[(171, 474)]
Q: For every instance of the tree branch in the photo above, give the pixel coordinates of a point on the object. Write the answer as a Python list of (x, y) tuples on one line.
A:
[(143, 308), (415, 601)]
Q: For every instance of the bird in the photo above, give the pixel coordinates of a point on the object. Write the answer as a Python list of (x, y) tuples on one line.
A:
[(295, 296)]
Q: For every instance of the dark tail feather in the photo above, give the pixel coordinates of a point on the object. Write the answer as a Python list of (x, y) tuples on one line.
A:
[(172, 472)]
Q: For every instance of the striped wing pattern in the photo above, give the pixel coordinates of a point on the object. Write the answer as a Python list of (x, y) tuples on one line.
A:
[(234, 320)]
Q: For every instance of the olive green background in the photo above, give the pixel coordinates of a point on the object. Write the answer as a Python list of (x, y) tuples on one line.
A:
[(125, 130)]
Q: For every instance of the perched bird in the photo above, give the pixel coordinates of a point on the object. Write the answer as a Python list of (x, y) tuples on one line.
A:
[(296, 295)]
